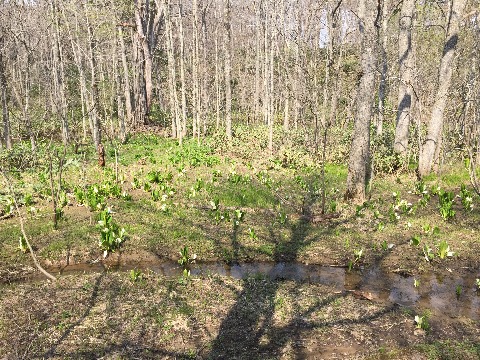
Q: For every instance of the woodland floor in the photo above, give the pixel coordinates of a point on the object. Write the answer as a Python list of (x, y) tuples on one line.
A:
[(114, 313)]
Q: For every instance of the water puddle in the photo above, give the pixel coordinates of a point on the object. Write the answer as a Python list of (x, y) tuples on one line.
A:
[(450, 295)]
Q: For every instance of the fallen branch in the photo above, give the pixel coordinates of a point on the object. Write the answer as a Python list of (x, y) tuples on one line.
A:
[(20, 219)]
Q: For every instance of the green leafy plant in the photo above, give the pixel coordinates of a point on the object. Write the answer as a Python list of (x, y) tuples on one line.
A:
[(252, 234), (238, 217), (156, 195), (357, 255), (422, 322), (428, 253), (22, 246), (136, 275), (477, 284), (415, 240), (28, 200), (8, 205), (446, 204), (380, 226), (458, 291), (444, 250), (135, 183), (111, 234), (467, 198), (416, 283), (332, 207), (386, 246), (393, 215), (427, 229), (421, 189), (282, 217), (185, 258)]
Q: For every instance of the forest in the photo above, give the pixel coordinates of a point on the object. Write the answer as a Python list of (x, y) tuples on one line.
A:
[(240, 179)]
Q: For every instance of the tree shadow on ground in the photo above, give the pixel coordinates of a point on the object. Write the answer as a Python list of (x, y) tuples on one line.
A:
[(91, 303), (248, 331)]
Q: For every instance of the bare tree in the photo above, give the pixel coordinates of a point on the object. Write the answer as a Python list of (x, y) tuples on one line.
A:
[(435, 126), (406, 68), (148, 19), (359, 167), (3, 85), (227, 44)]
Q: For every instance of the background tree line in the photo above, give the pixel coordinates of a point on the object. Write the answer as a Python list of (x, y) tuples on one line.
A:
[(401, 79)]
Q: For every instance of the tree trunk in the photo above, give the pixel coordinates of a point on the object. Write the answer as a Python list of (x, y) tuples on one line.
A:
[(93, 109), (228, 68), (182, 72), (142, 12), (217, 76), (172, 79), (59, 75), (126, 79), (195, 71), (359, 167), (405, 90), (444, 78), (3, 84), (382, 88), (258, 57)]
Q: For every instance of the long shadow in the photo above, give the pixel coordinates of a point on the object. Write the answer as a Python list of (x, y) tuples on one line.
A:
[(91, 302), (247, 334), (241, 332)]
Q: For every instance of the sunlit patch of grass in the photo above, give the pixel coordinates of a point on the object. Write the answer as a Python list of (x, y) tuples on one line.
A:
[(244, 195), (451, 349)]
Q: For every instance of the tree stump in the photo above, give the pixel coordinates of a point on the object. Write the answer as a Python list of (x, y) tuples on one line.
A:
[(101, 155)]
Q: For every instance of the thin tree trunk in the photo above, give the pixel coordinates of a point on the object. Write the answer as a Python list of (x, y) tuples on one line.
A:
[(126, 80), (444, 79), (298, 71), (26, 107), (405, 90), (258, 56), (359, 168), (271, 97), (204, 88), (195, 70), (176, 125), (217, 77), (382, 88), (182, 72), (147, 56), (59, 75), (3, 84), (93, 110), (228, 89)]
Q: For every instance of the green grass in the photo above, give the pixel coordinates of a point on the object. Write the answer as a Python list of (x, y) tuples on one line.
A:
[(262, 188)]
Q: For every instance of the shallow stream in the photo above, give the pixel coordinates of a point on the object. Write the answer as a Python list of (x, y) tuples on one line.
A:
[(452, 295)]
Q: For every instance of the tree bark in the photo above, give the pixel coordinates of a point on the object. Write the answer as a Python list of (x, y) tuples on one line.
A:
[(172, 79), (59, 75), (93, 108), (228, 68), (182, 71), (382, 88), (126, 80), (444, 79), (195, 71), (3, 85), (405, 90), (359, 167)]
